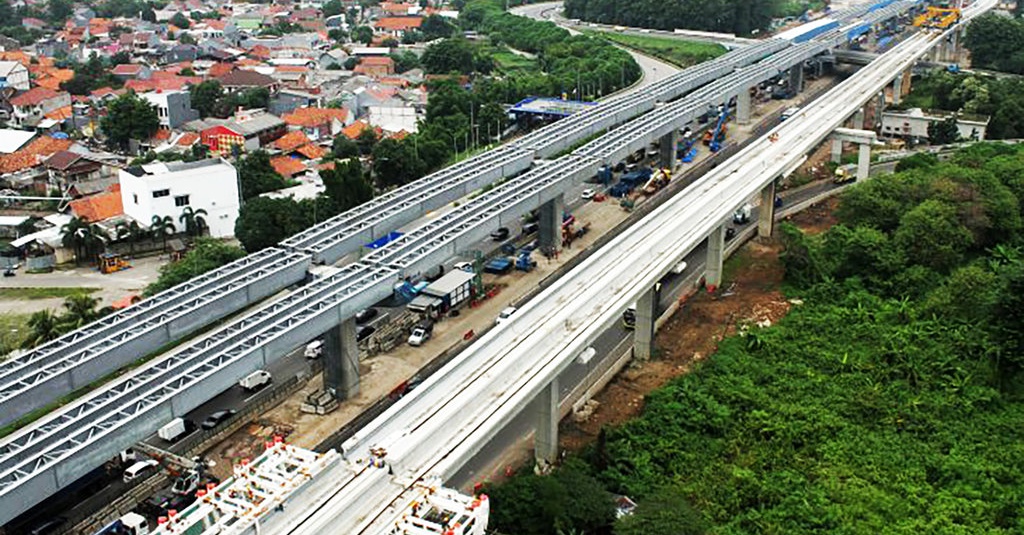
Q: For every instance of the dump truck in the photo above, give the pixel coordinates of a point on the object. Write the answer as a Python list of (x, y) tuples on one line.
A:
[(845, 173)]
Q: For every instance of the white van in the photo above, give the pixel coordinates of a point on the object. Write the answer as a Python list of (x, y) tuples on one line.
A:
[(314, 349), (679, 268), (139, 469), (255, 380)]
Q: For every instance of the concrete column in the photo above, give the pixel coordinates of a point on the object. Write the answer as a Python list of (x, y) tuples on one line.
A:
[(897, 89), (545, 436), (858, 118), (863, 160), (837, 150), (643, 332), (766, 212), (796, 77), (716, 256), (341, 360), (551, 223), (744, 107), (667, 148)]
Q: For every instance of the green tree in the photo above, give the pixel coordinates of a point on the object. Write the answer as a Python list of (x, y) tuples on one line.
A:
[(80, 310), (129, 232), (342, 147), (362, 34), (193, 221), (366, 140), (162, 227), (181, 21), (346, 185), (207, 255), (664, 512), (43, 328), (943, 132), (263, 222), (257, 175), (59, 10), (395, 164), (448, 56), (129, 117), (333, 7), (933, 236), (569, 499), (405, 61), (437, 27)]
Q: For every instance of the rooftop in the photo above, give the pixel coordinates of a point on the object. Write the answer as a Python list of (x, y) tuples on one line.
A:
[(34, 96)]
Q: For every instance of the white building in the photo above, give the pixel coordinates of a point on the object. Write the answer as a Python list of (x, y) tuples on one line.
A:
[(395, 118), (914, 123), (165, 189), (14, 74)]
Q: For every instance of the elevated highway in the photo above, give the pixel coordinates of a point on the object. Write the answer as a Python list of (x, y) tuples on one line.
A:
[(52, 452)]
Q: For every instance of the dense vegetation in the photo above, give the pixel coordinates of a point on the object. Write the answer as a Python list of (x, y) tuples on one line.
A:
[(207, 255), (734, 16), (677, 51), (1002, 99), (996, 42), (888, 402)]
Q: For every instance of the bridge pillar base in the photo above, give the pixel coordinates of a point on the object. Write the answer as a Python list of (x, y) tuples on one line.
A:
[(796, 78), (643, 331), (551, 224), (545, 436), (837, 150), (341, 360), (766, 212), (667, 150), (858, 118), (716, 257), (863, 160)]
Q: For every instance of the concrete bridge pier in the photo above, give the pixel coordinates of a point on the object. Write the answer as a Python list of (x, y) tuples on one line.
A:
[(744, 106), (715, 259), (667, 150), (766, 212), (551, 223), (545, 436), (341, 360), (796, 78), (643, 331)]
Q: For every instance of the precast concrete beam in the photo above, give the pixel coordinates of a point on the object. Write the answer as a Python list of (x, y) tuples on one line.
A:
[(643, 330), (545, 436), (341, 360), (551, 223)]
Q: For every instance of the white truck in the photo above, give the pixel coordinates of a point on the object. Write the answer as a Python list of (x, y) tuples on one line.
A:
[(129, 524), (255, 380), (742, 214), (172, 430), (421, 333)]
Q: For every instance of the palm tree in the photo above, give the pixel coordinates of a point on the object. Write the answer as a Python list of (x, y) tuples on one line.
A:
[(130, 232), (193, 221), (43, 325), (162, 227), (81, 310), (73, 236)]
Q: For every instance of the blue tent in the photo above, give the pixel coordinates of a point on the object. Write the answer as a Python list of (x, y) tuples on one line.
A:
[(377, 244)]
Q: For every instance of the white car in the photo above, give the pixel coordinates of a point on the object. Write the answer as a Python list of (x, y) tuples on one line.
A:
[(588, 194), (464, 266), (505, 314)]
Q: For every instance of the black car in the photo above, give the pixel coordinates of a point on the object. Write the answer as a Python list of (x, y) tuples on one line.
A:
[(364, 332), (366, 315), (500, 234), (217, 418)]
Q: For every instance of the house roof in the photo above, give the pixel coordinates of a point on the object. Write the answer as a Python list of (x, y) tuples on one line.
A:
[(377, 60), (220, 69), (98, 207), (32, 154), (60, 114), (241, 78), (34, 96), (127, 69), (62, 160), (310, 117), (312, 151), (12, 140), (291, 141), (287, 166), (188, 139), (7, 66), (353, 130), (165, 84), (398, 23)]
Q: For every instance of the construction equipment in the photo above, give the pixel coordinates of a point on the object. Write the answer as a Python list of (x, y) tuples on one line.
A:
[(658, 180), (112, 263), (845, 173), (714, 138), (938, 17), (525, 262)]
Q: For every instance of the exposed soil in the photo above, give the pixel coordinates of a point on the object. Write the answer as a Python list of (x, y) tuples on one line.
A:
[(750, 295)]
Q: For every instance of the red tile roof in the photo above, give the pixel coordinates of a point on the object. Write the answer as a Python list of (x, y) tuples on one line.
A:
[(188, 139), (353, 130), (98, 207), (287, 166), (127, 69), (34, 96), (60, 114), (311, 117), (220, 69), (291, 141), (312, 151), (398, 23), (33, 154)]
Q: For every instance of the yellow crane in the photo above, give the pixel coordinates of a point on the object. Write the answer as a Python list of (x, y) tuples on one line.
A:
[(939, 17)]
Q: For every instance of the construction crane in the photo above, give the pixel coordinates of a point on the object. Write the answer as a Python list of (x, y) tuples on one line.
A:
[(941, 16), (714, 138)]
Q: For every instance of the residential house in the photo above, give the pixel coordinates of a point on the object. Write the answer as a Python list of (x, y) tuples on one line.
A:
[(288, 100), (397, 27), (333, 58), (100, 206), (131, 71), (14, 74), (30, 23), (395, 118), (31, 107), (180, 53), (66, 168), (915, 121), (242, 80), (11, 140), (376, 66), (248, 130), (21, 168), (174, 108), (319, 123), (166, 189)]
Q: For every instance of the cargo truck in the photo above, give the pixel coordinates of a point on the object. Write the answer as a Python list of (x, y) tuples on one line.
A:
[(444, 294)]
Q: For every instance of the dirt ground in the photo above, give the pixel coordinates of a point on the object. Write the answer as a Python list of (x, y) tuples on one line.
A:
[(750, 295)]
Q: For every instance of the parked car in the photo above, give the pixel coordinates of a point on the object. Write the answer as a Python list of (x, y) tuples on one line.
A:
[(464, 266), (366, 315), (255, 380), (588, 194), (217, 418), (314, 349), (530, 228), (364, 332), (139, 469), (500, 234)]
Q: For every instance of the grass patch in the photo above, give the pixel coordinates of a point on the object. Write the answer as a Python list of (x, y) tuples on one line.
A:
[(676, 51), (43, 293), (13, 331), (509, 62)]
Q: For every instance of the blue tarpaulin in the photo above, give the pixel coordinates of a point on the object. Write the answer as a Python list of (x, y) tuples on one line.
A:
[(377, 244)]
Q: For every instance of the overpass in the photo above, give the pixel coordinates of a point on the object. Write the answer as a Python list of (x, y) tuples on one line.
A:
[(52, 452), (434, 430)]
